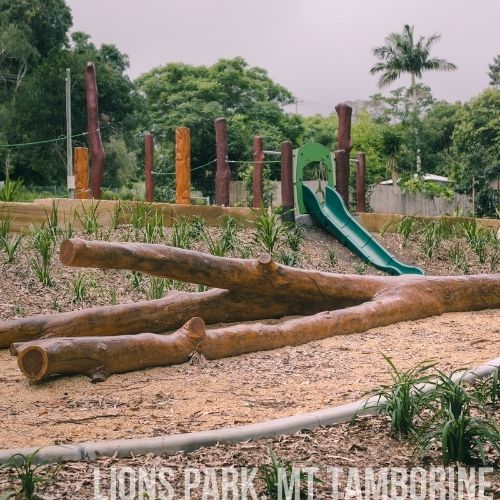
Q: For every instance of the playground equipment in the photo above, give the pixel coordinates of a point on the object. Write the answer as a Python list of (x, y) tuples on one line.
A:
[(249, 290)]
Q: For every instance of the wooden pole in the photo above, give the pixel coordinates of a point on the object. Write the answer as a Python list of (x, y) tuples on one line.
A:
[(182, 166), (96, 147), (287, 197), (360, 183), (344, 113), (342, 175), (258, 169), (223, 174), (81, 157), (149, 165), (69, 148)]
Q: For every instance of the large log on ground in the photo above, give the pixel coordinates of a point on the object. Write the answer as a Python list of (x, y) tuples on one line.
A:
[(410, 299), (100, 357), (257, 277), (155, 316)]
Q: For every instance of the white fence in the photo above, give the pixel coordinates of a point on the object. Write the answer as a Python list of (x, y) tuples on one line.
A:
[(390, 199)]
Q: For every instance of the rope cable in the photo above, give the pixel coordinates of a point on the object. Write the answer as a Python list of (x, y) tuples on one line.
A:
[(41, 142)]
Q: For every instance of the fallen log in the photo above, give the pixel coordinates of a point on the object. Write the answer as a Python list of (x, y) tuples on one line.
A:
[(255, 277), (100, 357), (410, 298), (155, 316)]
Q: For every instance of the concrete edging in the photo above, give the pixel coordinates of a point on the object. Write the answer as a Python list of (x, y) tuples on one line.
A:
[(192, 441)]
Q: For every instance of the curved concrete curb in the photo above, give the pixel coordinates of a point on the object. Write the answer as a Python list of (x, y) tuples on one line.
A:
[(192, 441)]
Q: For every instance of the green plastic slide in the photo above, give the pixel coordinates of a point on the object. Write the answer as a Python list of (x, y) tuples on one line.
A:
[(335, 218)]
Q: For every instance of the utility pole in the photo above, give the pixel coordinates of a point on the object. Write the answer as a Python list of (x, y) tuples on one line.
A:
[(69, 148)]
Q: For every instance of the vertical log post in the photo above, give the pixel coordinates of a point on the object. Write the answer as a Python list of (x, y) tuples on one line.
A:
[(96, 147), (182, 166), (149, 165), (81, 169), (258, 169), (223, 174), (342, 175), (344, 113), (287, 197), (360, 183)]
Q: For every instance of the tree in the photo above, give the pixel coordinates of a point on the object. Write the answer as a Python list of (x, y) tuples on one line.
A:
[(476, 149), (37, 113), (391, 141), (29, 31), (402, 55), (182, 95), (494, 73)]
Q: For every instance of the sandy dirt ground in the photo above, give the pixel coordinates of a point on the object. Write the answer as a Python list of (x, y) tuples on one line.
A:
[(235, 391)]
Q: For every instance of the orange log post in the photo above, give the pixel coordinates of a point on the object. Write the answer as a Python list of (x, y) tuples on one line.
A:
[(149, 165), (182, 166), (81, 168)]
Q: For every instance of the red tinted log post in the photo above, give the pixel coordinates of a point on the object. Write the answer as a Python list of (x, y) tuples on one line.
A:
[(81, 169), (149, 165), (96, 147), (342, 175), (344, 113), (223, 174), (182, 166), (287, 197), (360, 183), (258, 169)]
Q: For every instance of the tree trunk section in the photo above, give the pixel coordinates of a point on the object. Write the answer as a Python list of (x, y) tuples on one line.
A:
[(96, 147)]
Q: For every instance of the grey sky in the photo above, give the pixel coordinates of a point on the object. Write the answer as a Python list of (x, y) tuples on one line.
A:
[(318, 49)]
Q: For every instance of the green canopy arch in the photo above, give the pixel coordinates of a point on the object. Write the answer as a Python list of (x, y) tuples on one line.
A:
[(308, 153)]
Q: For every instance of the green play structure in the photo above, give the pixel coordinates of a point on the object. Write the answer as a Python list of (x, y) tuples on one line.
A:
[(335, 217)]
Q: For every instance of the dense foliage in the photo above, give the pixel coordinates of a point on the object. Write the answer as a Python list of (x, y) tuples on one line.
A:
[(405, 134)]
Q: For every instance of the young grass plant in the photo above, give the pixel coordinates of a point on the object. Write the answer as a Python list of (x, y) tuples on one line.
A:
[(80, 285), (5, 223), (181, 236), (269, 230), (332, 257), (88, 219), (44, 241), (406, 227), (28, 475), (289, 259), (10, 189), (10, 246), (282, 480), (458, 258), (294, 236), (157, 287), (461, 434), (404, 399)]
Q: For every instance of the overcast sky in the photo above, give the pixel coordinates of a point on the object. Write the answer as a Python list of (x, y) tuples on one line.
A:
[(321, 50)]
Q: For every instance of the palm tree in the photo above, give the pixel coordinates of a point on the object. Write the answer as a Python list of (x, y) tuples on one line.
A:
[(402, 55)]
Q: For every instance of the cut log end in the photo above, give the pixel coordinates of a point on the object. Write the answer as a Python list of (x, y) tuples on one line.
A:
[(195, 328), (67, 252), (33, 363)]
